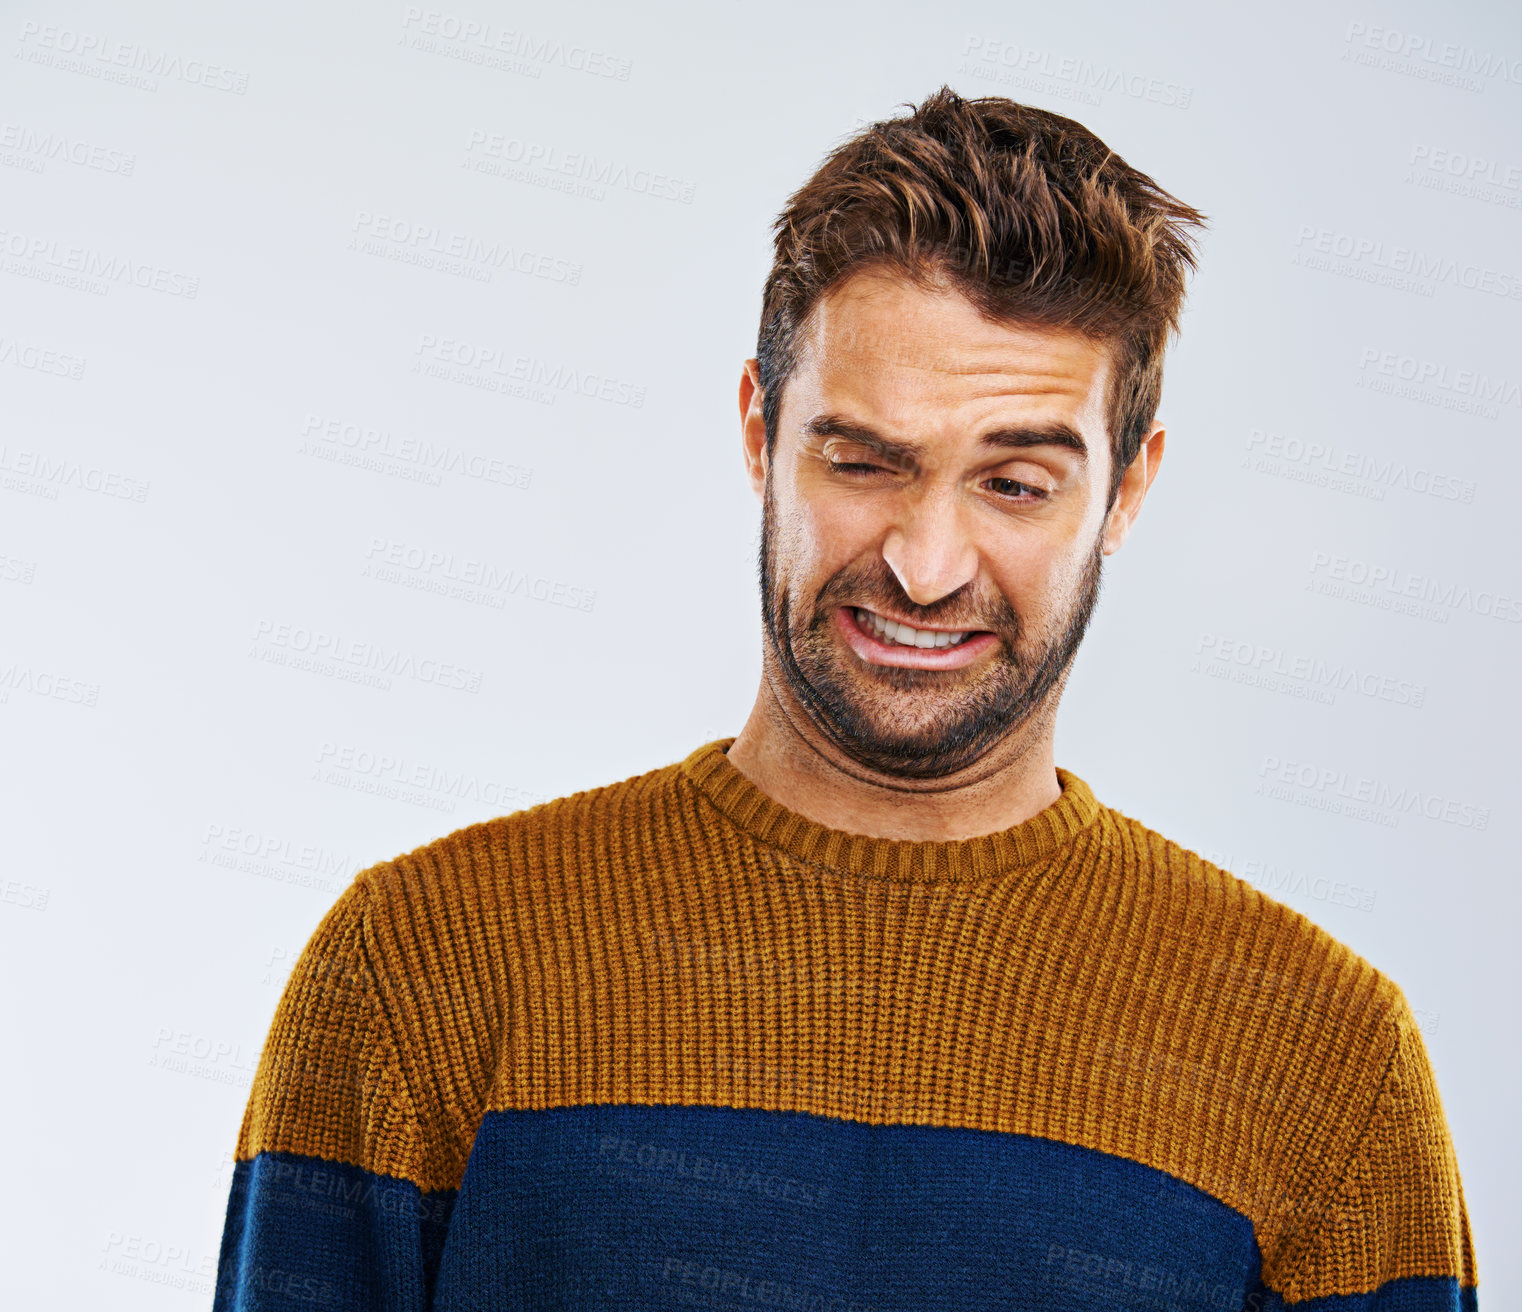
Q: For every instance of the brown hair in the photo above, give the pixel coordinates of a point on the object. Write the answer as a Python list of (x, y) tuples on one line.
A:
[(1027, 214)]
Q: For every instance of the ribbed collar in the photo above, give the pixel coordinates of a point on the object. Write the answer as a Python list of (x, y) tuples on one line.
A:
[(919, 861)]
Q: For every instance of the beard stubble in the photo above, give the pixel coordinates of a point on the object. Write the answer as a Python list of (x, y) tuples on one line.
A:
[(967, 713)]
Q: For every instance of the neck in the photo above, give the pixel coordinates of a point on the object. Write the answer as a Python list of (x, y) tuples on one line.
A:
[(784, 754)]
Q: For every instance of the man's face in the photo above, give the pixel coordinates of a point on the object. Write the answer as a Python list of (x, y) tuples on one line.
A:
[(885, 499)]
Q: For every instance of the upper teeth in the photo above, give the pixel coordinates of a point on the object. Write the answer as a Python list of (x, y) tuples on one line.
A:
[(894, 632)]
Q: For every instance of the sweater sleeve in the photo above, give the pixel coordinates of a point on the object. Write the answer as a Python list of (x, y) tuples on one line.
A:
[(326, 1207), (1395, 1237)]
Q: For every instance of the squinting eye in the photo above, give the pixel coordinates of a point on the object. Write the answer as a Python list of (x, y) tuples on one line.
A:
[(841, 467), (1013, 482)]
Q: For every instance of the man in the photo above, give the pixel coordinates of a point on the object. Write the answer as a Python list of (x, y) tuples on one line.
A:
[(872, 1006)]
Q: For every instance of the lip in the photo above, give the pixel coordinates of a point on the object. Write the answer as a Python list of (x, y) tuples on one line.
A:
[(866, 645)]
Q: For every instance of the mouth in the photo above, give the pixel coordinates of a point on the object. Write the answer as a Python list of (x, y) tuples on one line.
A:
[(879, 640)]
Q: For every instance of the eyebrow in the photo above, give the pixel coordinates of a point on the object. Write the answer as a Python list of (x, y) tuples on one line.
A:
[(1007, 438)]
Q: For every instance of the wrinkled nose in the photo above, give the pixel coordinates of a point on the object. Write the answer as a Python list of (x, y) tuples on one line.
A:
[(930, 548)]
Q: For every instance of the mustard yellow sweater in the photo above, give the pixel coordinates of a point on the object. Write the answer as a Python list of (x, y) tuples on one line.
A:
[(667, 1043)]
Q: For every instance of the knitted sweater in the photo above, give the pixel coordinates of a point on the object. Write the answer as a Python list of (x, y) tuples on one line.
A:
[(666, 1042)]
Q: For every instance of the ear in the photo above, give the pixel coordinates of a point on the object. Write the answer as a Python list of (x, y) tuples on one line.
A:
[(753, 426), (1133, 489)]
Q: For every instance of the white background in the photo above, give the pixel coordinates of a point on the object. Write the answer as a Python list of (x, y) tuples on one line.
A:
[(212, 491)]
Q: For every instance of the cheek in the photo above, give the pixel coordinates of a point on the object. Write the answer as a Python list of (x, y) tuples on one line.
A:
[(825, 534), (1037, 575)]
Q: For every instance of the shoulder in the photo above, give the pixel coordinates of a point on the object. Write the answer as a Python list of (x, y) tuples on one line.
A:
[(1276, 980), (444, 909), (429, 930), (1284, 1032)]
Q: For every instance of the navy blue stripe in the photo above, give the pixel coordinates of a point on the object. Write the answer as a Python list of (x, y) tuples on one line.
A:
[(645, 1207), (304, 1233), (1408, 1294), (637, 1207)]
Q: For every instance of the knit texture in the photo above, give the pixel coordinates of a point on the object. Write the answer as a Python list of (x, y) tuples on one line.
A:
[(681, 941)]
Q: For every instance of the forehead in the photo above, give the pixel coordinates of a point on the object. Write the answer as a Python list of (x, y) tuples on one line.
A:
[(884, 343)]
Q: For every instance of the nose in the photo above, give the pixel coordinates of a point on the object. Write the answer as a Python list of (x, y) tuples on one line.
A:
[(929, 548)]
